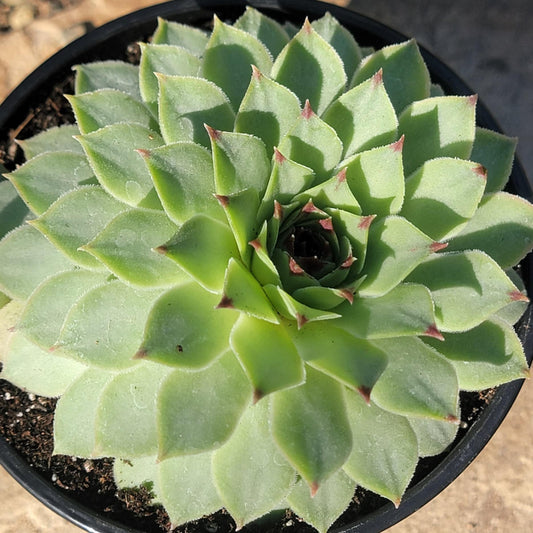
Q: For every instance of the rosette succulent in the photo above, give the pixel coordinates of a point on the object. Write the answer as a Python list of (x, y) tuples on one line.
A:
[(261, 266)]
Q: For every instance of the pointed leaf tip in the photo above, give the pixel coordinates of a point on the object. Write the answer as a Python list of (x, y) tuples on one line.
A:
[(295, 268), (223, 200), (307, 111), (397, 502), (258, 395), (481, 171), (143, 153), (517, 296), (472, 100), (437, 246), (141, 354), (256, 73), (279, 158), (314, 488), (348, 262), (327, 224), (278, 210), (214, 134), (453, 419), (256, 245), (225, 303), (307, 26), (347, 294), (365, 222), (365, 393), (341, 176), (163, 250), (432, 331), (377, 79), (301, 320), (398, 145)]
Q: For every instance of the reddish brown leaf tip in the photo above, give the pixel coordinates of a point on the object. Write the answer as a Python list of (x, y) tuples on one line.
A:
[(365, 393), (517, 296), (307, 112), (214, 134), (481, 171), (310, 207), (256, 73), (143, 153), (256, 245), (348, 262), (326, 224), (453, 419), (398, 145), (432, 331), (472, 100), (301, 320), (347, 294), (141, 354), (279, 158), (307, 28), (437, 246), (163, 250), (295, 268), (258, 394), (366, 221), (397, 502), (341, 177), (377, 78), (278, 210), (314, 488), (223, 200), (225, 303)]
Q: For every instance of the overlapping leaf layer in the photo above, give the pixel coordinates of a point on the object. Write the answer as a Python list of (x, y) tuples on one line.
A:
[(259, 268)]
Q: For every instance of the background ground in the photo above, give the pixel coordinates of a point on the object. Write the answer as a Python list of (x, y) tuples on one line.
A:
[(489, 44)]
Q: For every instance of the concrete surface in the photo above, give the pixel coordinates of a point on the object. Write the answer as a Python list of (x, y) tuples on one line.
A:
[(488, 43)]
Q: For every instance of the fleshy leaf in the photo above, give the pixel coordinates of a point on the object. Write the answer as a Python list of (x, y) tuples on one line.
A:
[(216, 395), (20, 271), (33, 369), (60, 138), (267, 354), (327, 505), (126, 247), (467, 288), (433, 436), (310, 425), (13, 211), (227, 59), (138, 472), (384, 453), (363, 117), (75, 219), (251, 475), (43, 179), (405, 74), (486, 356), (418, 381), (169, 32), (495, 152), (111, 74), (501, 227), (111, 151), (186, 104), (442, 195), (311, 68), (184, 329), (443, 126), (10, 314), (512, 312), (202, 247)]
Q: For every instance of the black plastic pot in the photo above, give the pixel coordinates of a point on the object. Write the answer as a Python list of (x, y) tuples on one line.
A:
[(111, 40)]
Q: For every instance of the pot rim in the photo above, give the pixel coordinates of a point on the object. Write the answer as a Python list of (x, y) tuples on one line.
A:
[(42, 79)]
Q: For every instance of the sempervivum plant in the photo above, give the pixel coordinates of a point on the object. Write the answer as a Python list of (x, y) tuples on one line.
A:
[(260, 268)]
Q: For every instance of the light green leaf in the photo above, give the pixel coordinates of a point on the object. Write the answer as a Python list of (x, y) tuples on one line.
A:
[(486, 356), (444, 126), (228, 58), (186, 104), (385, 451), (311, 68), (467, 288), (418, 381), (405, 74), (267, 354), (28, 258), (56, 139), (512, 312), (108, 75), (442, 195), (169, 32), (217, 395), (126, 247), (310, 425), (433, 436), (138, 472), (501, 227), (184, 329), (112, 153), (13, 210), (10, 313), (363, 117), (251, 475), (43, 179), (261, 265), (33, 369), (75, 219)]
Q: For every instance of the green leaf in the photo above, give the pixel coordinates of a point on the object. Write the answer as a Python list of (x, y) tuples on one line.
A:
[(264, 29), (169, 32), (48, 305), (251, 475), (13, 210), (501, 227), (385, 450), (395, 249), (341, 40), (112, 153), (10, 313), (217, 395), (228, 57), (105, 326), (418, 381), (261, 265), (405, 310), (433, 436), (56, 139), (486, 356), (43, 179), (405, 74), (354, 362), (310, 425), (163, 59), (311, 68), (442, 195), (138, 472), (267, 354), (103, 107), (32, 369), (202, 247), (184, 329), (126, 415), (467, 288), (268, 110), (512, 312), (28, 258), (363, 117), (75, 219), (126, 247), (443, 126), (327, 505), (182, 174), (495, 152), (186, 104), (108, 75)]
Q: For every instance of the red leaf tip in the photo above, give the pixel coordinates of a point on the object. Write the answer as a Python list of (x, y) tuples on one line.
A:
[(307, 28), (348, 262), (307, 111), (314, 488), (278, 210), (472, 100), (163, 250), (366, 221), (214, 134), (377, 79), (517, 296), (256, 245), (301, 320), (256, 73), (398, 145), (481, 171), (432, 331), (225, 303), (279, 158), (347, 294), (453, 419), (223, 200), (437, 246), (295, 268), (143, 153), (365, 392)]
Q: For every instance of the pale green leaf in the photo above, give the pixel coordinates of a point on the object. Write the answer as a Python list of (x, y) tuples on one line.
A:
[(177, 34), (138, 472), (13, 210), (56, 139), (108, 75), (433, 436), (512, 312)]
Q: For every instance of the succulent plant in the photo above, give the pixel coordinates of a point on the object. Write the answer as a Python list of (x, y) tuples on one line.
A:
[(260, 268)]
